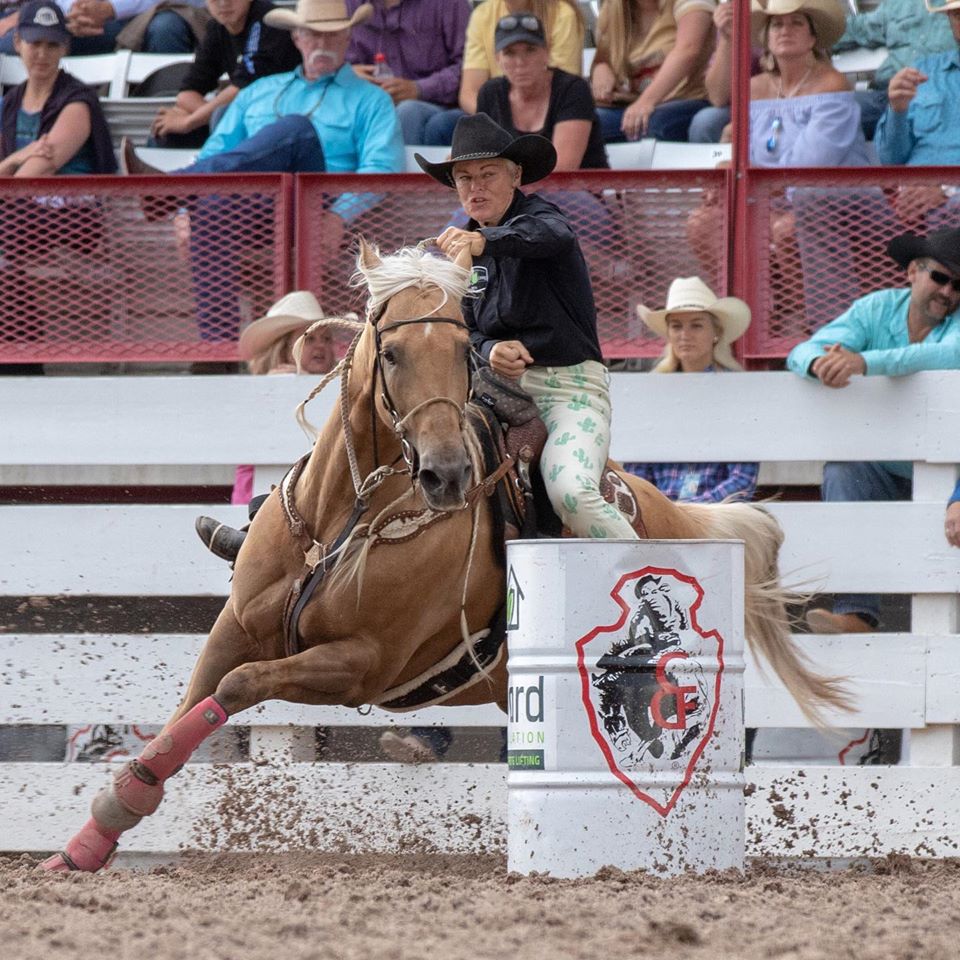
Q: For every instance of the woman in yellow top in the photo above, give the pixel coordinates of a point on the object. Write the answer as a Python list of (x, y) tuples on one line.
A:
[(647, 75), (564, 27)]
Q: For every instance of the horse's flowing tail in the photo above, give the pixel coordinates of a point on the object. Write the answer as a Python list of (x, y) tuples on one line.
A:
[(766, 620)]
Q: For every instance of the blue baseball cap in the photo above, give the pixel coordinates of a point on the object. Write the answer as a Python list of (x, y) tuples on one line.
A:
[(42, 20)]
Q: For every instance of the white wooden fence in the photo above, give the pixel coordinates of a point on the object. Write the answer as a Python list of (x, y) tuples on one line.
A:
[(152, 430)]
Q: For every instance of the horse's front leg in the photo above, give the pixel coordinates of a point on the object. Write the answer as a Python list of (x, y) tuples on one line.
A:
[(137, 789)]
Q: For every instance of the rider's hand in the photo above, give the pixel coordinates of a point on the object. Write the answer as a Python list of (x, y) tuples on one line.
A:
[(510, 358), (453, 241)]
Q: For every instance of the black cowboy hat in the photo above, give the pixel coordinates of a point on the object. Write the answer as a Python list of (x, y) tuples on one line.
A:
[(941, 245), (478, 137)]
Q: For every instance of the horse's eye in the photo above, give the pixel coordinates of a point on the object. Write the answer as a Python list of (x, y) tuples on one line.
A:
[(389, 356)]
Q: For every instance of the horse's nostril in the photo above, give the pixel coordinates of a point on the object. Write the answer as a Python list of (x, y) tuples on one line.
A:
[(430, 482)]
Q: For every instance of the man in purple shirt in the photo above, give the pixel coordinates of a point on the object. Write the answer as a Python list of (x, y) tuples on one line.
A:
[(422, 45)]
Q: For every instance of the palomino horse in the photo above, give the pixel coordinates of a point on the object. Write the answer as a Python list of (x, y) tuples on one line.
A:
[(375, 567)]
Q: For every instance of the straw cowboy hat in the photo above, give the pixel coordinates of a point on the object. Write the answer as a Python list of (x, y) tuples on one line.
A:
[(478, 137), (324, 16), (295, 311), (942, 6), (941, 245), (692, 295), (828, 17)]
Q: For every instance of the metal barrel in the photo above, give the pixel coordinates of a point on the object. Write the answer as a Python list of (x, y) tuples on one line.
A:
[(625, 702)]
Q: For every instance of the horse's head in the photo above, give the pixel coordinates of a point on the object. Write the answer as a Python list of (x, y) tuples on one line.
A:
[(422, 364)]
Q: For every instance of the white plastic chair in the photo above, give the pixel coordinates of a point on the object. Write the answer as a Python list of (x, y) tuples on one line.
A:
[(668, 155), (142, 65), (433, 154), (635, 155), (12, 70), (98, 70), (860, 62), (165, 158)]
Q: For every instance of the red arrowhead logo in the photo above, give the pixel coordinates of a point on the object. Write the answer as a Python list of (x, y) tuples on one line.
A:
[(650, 704)]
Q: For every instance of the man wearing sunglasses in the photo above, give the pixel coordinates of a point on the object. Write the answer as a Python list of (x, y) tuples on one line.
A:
[(886, 333)]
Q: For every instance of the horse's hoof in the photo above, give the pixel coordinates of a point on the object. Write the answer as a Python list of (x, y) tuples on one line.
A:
[(56, 864), (89, 851)]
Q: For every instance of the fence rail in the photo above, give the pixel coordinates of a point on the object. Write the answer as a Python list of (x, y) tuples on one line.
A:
[(907, 679)]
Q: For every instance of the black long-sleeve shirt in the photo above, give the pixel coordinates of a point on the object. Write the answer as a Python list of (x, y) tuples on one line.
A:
[(531, 284), (257, 51)]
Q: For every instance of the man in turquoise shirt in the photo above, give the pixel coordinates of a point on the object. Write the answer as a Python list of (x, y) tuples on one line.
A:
[(905, 29), (886, 333), (318, 118), (919, 126)]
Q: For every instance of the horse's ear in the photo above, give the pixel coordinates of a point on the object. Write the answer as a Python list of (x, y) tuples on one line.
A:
[(464, 258), (367, 259)]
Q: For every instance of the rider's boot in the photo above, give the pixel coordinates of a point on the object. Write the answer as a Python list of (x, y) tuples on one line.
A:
[(221, 540)]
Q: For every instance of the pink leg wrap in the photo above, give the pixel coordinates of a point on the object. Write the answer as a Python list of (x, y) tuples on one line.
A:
[(165, 755), (89, 850), (137, 790)]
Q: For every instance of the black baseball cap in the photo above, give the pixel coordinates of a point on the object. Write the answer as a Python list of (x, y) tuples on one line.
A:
[(518, 28), (42, 20)]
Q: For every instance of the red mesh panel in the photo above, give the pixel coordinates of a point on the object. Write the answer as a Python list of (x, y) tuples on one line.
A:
[(107, 268), (818, 241), (638, 231)]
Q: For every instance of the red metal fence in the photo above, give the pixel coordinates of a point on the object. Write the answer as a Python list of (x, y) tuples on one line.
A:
[(634, 228), (145, 269), (171, 268)]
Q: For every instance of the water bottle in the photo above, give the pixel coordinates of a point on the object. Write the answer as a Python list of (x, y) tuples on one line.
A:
[(381, 69)]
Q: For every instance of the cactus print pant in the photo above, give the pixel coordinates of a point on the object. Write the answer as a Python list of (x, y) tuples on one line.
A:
[(574, 403)]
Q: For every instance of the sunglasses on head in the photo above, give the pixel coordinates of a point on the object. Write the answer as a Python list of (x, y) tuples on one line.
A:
[(941, 279), (511, 22)]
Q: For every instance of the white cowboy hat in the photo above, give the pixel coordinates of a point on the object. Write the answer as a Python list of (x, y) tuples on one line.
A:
[(295, 311), (324, 16), (692, 295), (942, 6), (828, 17)]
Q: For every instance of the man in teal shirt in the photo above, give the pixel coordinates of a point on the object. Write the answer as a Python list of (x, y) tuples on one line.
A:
[(919, 126), (886, 333), (905, 29)]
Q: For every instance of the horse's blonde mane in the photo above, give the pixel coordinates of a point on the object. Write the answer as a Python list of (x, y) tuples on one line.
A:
[(410, 267)]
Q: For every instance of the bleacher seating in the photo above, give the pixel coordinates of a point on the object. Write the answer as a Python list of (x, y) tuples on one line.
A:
[(166, 159)]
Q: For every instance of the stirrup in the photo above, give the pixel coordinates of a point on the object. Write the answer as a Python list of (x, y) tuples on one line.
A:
[(221, 540)]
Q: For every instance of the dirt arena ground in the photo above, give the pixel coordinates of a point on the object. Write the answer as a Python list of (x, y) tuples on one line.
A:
[(314, 907)]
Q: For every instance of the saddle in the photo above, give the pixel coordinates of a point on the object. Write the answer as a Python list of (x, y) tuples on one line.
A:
[(508, 424)]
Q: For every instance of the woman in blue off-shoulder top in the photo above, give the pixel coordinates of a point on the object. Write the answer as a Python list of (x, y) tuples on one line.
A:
[(804, 114)]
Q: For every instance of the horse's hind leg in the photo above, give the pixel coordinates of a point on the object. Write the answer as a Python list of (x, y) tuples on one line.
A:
[(137, 790)]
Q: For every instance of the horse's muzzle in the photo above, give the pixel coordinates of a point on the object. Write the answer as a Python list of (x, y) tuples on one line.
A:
[(444, 480)]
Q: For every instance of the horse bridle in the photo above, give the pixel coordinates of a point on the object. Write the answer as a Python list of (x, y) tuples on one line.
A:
[(400, 422)]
